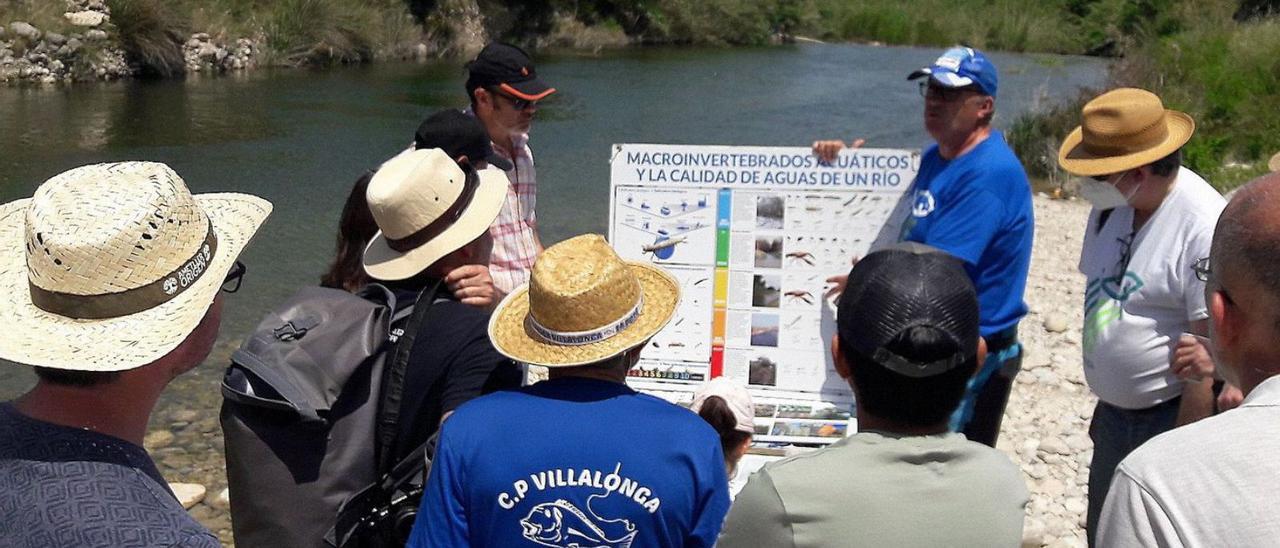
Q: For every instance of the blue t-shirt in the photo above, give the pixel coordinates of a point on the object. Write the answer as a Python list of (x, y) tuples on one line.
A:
[(978, 207), (62, 486), (574, 462)]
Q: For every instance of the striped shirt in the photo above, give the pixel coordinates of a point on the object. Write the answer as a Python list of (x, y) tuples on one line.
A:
[(515, 244)]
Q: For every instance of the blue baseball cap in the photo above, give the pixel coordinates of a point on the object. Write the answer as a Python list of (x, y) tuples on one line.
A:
[(961, 66)]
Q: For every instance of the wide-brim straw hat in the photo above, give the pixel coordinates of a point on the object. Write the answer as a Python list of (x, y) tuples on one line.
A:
[(1274, 163), (427, 207), (582, 305), (108, 267), (1123, 129)]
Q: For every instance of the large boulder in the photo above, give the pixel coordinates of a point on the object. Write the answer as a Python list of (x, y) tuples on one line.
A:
[(85, 18), (24, 30)]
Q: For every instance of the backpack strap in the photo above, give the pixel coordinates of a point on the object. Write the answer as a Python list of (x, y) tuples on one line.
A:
[(1102, 219), (387, 428)]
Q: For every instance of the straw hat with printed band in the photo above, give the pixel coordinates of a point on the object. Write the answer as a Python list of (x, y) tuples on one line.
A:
[(427, 207), (1123, 129), (108, 267), (583, 304)]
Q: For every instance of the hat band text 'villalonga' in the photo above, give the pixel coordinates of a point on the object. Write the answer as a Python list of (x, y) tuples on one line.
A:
[(578, 338), (131, 301)]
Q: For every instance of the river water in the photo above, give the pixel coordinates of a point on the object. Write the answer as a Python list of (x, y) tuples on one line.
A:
[(300, 137)]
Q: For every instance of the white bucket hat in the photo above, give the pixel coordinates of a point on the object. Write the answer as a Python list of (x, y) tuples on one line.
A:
[(427, 207), (108, 267)]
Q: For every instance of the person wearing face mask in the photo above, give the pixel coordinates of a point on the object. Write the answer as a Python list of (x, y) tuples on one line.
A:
[(1151, 219), (1209, 484)]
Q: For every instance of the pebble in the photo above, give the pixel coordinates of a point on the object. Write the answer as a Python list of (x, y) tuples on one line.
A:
[(1056, 323), (22, 29), (1055, 446), (1076, 505), (95, 35), (1033, 531), (158, 439), (85, 18), (185, 415), (189, 494), (222, 501)]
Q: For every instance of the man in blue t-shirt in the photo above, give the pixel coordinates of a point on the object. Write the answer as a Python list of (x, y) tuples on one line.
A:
[(972, 199), (592, 462)]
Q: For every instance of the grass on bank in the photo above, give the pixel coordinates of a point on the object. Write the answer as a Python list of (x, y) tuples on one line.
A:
[(1224, 73)]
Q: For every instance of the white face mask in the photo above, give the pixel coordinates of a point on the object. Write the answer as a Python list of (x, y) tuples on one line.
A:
[(1103, 195)]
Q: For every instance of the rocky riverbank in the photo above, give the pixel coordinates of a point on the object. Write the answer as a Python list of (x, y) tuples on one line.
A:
[(30, 55), (1045, 428)]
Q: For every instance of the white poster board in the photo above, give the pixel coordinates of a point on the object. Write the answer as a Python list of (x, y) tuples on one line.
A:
[(752, 234)]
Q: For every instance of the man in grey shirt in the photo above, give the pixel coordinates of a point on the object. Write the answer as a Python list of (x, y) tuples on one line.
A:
[(907, 344)]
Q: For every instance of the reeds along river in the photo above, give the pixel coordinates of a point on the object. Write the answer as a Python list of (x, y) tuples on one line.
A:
[(300, 138)]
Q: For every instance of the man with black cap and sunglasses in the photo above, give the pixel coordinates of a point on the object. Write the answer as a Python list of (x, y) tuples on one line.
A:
[(907, 342), (505, 90)]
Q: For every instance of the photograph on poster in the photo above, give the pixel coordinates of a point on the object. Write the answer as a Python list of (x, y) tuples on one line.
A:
[(768, 251), (770, 210), (808, 429), (762, 371), (764, 330), (766, 290)]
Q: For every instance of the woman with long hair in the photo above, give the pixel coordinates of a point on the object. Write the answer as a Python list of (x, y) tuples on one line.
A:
[(355, 228)]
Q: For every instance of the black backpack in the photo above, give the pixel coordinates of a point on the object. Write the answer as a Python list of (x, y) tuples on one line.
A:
[(310, 412)]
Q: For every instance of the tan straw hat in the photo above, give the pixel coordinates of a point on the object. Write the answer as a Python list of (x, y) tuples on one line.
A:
[(1123, 129), (583, 305), (1274, 163), (427, 207), (110, 266)]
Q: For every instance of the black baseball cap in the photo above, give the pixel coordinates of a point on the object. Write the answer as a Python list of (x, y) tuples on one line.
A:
[(508, 68), (458, 134), (905, 286)]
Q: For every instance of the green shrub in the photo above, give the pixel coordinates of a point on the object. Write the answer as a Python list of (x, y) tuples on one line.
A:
[(151, 35), (321, 31)]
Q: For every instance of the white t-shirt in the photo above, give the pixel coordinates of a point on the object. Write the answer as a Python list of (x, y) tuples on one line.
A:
[(1211, 483), (1133, 316)]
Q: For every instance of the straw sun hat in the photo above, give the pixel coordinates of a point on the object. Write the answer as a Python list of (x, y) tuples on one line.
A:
[(583, 305), (108, 267), (1123, 129), (427, 207)]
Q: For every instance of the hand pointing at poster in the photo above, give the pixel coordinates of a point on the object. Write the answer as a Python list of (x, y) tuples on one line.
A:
[(827, 150)]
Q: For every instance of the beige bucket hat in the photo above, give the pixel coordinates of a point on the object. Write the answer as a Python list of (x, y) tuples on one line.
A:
[(427, 207), (1123, 129), (583, 305), (108, 267)]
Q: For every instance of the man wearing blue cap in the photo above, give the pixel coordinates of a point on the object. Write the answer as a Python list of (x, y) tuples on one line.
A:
[(972, 199)]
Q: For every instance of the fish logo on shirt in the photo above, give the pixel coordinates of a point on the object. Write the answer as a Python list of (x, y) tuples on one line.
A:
[(560, 524)]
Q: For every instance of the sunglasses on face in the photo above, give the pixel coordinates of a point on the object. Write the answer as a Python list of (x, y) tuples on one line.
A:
[(516, 102), (945, 93)]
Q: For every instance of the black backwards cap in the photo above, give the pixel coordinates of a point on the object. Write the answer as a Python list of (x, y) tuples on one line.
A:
[(458, 134), (508, 68), (904, 286)]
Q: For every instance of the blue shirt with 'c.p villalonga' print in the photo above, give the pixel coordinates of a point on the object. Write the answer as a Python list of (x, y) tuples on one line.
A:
[(574, 462)]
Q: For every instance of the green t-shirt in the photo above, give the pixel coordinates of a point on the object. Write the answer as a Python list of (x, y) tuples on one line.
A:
[(874, 489)]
